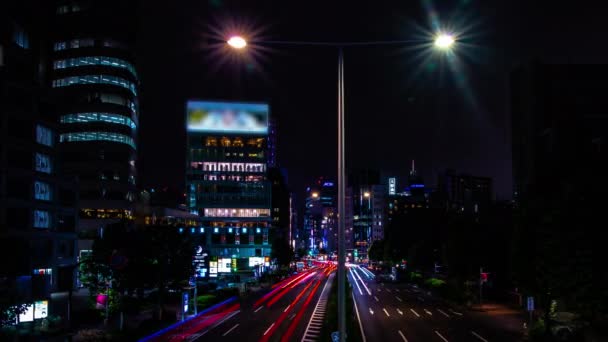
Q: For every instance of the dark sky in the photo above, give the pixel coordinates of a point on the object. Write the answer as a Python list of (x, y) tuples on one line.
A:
[(402, 102)]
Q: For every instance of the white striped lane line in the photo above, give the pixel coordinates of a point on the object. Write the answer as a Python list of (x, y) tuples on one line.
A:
[(400, 312), (443, 338), (443, 313), (428, 312), (377, 300), (287, 308), (389, 290), (229, 330), (399, 299), (414, 312), (397, 290), (479, 337), (402, 336), (386, 312), (267, 330), (371, 311), (258, 309)]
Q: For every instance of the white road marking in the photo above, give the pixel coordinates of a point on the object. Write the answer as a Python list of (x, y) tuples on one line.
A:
[(260, 308), (415, 313), (399, 299), (362, 283), (377, 300), (428, 312), (359, 318), (455, 313), (371, 311), (421, 299), (386, 312), (355, 279), (445, 314), (479, 337), (287, 308), (402, 336), (229, 330), (397, 290), (400, 312), (267, 330), (379, 290), (438, 334)]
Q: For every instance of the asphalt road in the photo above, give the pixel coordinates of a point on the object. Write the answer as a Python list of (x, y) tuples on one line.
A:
[(283, 314), (401, 312)]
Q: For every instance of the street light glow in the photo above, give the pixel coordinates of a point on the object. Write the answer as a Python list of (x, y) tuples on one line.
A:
[(444, 41), (237, 42), (366, 194)]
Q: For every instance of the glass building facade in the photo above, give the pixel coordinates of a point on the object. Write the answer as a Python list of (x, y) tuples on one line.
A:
[(226, 178), (94, 79)]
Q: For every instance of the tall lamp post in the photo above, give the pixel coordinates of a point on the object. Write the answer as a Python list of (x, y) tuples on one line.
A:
[(442, 42)]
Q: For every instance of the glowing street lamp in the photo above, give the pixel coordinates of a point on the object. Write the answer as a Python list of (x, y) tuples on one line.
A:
[(366, 194), (237, 42), (444, 41)]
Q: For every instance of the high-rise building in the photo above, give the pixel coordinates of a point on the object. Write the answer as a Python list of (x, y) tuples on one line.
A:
[(96, 86), (464, 193), (38, 203), (226, 176), (320, 216), (367, 196)]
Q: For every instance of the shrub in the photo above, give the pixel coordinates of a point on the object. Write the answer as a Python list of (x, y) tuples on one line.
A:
[(434, 283)]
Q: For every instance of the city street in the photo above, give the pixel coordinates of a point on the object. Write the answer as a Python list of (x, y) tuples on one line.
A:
[(401, 312), (281, 314)]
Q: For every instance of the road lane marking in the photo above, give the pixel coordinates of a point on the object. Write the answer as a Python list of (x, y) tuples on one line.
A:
[(428, 312), (362, 283), (445, 314), (402, 336), (377, 300), (479, 337), (292, 316), (379, 290), (415, 313), (420, 299), (234, 327), (371, 311), (287, 308), (438, 334), (399, 299), (267, 330), (355, 279), (258, 309), (397, 290), (195, 336), (358, 318), (386, 312), (389, 290), (400, 312), (455, 313)]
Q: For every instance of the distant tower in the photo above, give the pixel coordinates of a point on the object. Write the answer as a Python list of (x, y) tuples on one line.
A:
[(413, 170)]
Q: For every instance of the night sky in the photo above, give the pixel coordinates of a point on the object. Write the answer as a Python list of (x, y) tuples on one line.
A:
[(402, 102)]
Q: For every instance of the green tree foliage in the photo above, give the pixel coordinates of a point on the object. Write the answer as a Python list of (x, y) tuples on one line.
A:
[(376, 251), (281, 251)]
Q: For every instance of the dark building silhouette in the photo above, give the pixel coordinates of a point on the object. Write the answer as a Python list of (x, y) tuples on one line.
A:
[(38, 203), (463, 192)]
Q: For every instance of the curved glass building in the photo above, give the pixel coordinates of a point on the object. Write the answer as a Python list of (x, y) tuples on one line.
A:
[(96, 87)]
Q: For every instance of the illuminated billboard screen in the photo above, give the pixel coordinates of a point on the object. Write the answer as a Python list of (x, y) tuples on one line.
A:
[(227, 117)]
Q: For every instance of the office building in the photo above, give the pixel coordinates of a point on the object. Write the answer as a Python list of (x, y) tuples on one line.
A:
[(320, 217), (38, 214), (96, 84), (464, 193), (227, 181)]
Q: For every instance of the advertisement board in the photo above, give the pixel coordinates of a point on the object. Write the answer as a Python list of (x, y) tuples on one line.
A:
[(40, 309), (224, 264), (227, 117), (200, 261)]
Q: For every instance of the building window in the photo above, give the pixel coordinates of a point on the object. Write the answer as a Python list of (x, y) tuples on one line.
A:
[(20, 37), (98, 117), (98, 136), (42, 219), (94, 60), (42, 191), (43, 163), (234, 212), (95, 79), (44, 135), (73, 44)]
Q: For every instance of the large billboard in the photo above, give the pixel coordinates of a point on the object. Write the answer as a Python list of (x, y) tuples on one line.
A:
[(227, 117)]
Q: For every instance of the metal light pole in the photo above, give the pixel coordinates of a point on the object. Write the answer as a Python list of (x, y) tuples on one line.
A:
[(341, 200), (442, 41)]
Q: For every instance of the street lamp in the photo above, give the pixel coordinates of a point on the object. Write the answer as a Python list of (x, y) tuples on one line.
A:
[(442, 41)]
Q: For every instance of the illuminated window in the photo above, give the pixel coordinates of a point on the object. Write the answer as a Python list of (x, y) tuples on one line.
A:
[(44, 135), (20, 37), (73, 44), (95, 79), (98, 117), (97, 136), (210, 141), (216, 230), (230, 230), (238, 142), (43, 163), (42, 191), (244, 230), (225, 142), (42, 219), (95, 60)]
